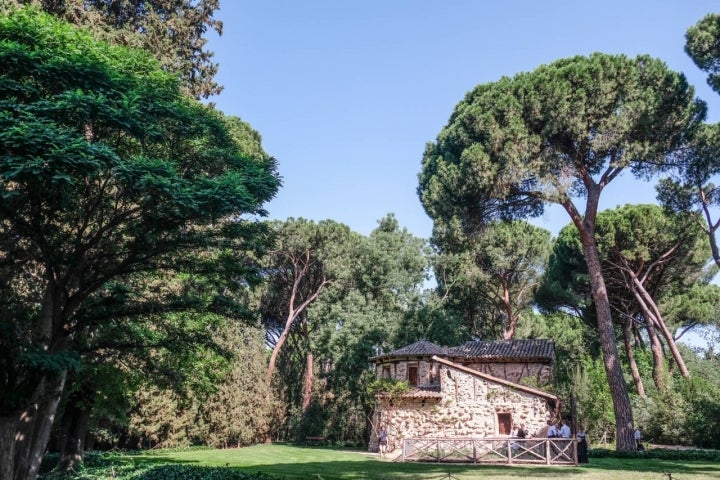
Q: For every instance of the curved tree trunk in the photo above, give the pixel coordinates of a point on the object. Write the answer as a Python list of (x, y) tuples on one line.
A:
[(657, 316), (655, 344), (712, 226), (658, 355), (624, 424), (33, 433), (627, 337), (624, 440), (293, 312)]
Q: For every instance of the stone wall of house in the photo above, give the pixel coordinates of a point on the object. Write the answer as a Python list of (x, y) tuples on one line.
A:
[(469, 407), (427, 371), (540, 373)]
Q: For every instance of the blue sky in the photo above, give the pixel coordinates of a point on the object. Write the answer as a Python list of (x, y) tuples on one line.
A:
[(347, 93)]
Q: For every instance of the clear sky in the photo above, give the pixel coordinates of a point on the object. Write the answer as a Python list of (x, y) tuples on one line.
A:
[(347, 93)]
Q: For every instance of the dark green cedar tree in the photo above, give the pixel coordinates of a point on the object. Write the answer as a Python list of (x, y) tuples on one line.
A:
[(106, 171)]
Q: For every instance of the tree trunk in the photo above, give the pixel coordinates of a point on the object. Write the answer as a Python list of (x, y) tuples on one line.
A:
[(308, 382), (292, 315), (624, 439), (43, 425), (24, 437), (8, 428), (75, 420), (35, 426), (655, 345), (711, 226), (669, 339), (627, 334), (509, 332), (657, 353), (276, 349)]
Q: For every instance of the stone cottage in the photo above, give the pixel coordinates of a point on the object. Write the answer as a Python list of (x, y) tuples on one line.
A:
[(477, 390)]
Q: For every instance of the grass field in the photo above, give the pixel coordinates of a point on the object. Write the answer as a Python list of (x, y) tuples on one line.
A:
[(320, 463)]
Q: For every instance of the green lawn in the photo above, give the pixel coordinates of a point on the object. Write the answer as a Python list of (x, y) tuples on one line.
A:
[(325, 463)]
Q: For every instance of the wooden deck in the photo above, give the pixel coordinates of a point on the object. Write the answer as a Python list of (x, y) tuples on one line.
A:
[(538, 451)]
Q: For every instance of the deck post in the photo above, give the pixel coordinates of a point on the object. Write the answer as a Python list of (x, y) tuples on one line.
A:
[(575, 454), (548, 452)]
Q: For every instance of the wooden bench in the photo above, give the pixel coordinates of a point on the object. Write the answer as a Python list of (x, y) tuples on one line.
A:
[(319, 440)]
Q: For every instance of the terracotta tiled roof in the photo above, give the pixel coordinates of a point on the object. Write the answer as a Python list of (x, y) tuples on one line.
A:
[(417, 349), (539, 350)]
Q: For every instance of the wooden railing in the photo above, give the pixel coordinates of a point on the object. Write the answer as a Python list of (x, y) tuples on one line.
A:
[(548, 451)]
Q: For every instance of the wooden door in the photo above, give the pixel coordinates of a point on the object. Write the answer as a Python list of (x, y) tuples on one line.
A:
[(504, 423), (413, 375)]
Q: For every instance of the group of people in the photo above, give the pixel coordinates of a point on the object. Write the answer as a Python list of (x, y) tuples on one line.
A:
[(554, 430), (551, 430)]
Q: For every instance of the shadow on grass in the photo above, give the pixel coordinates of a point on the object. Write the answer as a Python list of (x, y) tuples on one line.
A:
[(377, 470), (336, 465), (658, 466)]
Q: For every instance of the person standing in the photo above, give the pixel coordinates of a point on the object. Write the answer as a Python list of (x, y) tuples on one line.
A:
[(514, 434), (543, 431), (638, 439), (383, 441), (582, 447), (553, 431), (564, 429)]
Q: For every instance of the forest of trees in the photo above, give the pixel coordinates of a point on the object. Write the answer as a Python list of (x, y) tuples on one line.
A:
[(147, 303)]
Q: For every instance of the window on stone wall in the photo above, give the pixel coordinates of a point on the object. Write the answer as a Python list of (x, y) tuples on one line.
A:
[(386, 371), (413, 375), (504, 423)]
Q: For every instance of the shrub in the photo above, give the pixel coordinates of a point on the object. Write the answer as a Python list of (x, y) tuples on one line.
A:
[(661, 454), (186, 472)]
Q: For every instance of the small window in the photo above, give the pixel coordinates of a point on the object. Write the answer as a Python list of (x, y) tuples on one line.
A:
[(413, 375), (504, 423), (386, 371)]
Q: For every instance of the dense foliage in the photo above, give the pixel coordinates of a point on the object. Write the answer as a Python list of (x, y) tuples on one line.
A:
[(108, 175), (174, 31), (143, 309), (489, 278), (333, 298), (559, 134)]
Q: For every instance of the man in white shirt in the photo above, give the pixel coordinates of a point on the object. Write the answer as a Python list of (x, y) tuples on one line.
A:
[(564, 429)]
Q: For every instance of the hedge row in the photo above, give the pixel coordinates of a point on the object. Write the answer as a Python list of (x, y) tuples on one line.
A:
[(660, 454), (187, 472)]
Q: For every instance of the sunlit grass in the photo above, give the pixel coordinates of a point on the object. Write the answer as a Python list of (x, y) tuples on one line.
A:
[(328, 464)]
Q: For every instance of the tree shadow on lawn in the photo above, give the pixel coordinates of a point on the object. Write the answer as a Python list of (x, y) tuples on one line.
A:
[(368, 466), (378, 470), (120, 461), (659, 466)]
